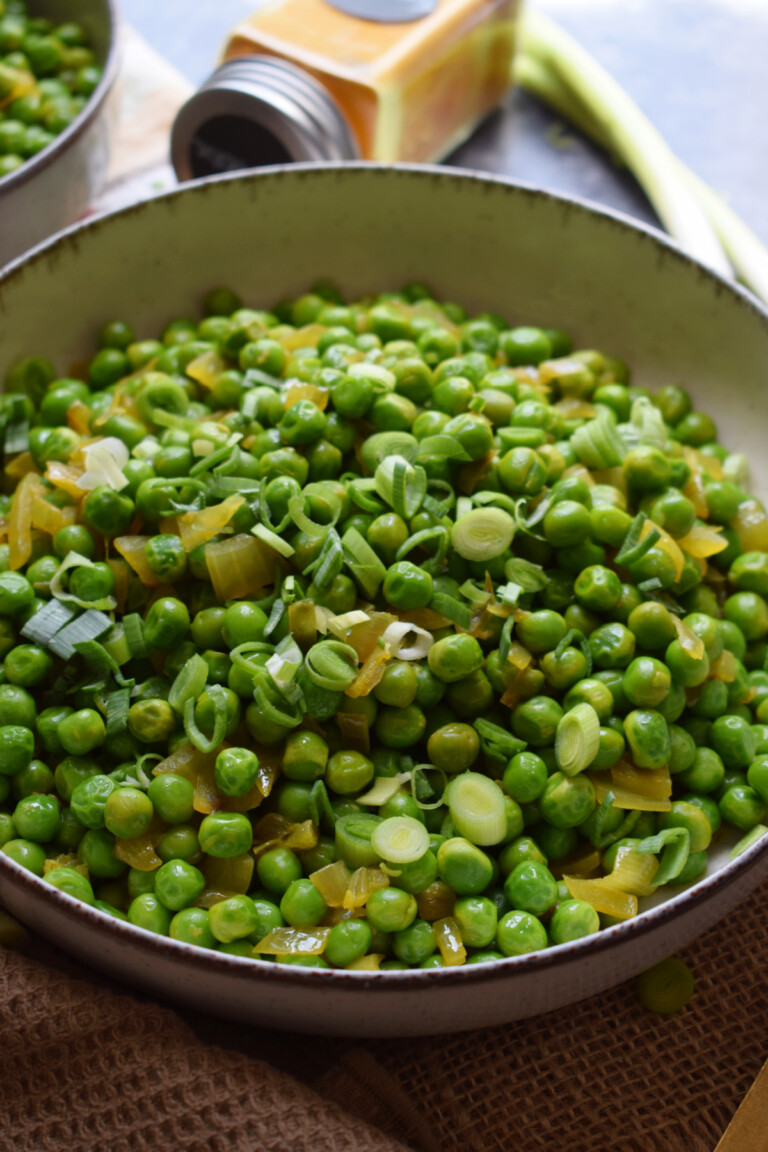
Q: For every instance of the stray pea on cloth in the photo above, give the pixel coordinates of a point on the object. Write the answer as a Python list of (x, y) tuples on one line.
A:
[(85, 1066)]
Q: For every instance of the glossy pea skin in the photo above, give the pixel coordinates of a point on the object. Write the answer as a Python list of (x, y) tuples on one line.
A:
[(646, 682), (572, 920), (531, 887), (647, 735)]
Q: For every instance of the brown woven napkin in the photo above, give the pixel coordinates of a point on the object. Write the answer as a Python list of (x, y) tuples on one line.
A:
[(83, 1067)]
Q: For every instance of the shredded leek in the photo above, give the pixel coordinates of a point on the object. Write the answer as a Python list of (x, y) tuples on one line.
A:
[(496, 742), (402, 485), (675, 846), (272, 539), (133, 626), (747, 841), (190, 683), (331, 665), (400, 840), (194, 735), (598, 442), (452, 609), (118, 704), (43, 626), (363, 563), (89, 626), (75, 560), (477, 808)]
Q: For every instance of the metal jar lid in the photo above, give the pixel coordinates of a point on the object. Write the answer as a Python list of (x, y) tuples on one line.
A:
[(257, 110)]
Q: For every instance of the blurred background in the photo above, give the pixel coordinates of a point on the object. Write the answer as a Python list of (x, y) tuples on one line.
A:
[(695, 67)]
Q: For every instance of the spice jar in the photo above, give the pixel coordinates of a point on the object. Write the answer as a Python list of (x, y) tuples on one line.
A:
[(385, 80)]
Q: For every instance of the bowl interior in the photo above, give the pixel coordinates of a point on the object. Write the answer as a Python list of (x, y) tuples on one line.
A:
[(487, 244)]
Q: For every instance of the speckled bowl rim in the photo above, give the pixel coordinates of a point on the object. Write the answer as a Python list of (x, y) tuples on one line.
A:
[(50, 154), (209, 962)]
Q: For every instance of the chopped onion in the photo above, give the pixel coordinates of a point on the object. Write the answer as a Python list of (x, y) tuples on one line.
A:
[(449, 942), (655, 784), (609, 901), (384, 788), (332, 882), (293, 942), (395, 638), (632, 872), (104, 461), (623, 798)]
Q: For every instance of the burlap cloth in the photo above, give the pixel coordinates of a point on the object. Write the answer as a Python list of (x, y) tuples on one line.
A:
[(86, 1066)]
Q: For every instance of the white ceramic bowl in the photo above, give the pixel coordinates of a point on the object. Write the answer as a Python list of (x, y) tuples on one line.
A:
[(535, 258), (55, 187)]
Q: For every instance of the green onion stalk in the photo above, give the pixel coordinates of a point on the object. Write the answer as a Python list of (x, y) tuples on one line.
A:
[(557, 70)]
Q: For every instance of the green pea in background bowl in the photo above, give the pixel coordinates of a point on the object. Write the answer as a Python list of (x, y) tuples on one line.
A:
[(54, 188), (491, 245)]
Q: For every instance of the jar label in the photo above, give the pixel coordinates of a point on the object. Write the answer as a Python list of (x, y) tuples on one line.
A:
[(386, 11)]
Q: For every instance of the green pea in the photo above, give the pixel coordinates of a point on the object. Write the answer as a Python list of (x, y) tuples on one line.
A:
[(97, 851), (146, 911), (646, 682), (464, 867), (536, 720), (277, 869), (414, 944), (572, 920), (734, 741), (519, 933), (26, 853), (302, 905), (37, 818), (225, 834), (741, 806), (525, 777), (530, 887), (72, 882), (567, 800), (347, 941), (192, 926), (391, 909)]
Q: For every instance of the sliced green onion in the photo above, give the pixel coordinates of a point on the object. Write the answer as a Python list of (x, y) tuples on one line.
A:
[(497, 499), (496, 741), (421, 788), (363, 563), (194, 735), (633, 548), (477, 808), (598, 443), (273, 710), (275, 616), (675, 846), (747, 841), (425, 536), (116, 645), (530, 577), (505, 640), (44, 625), (362, 492), (320, 810), (189, 683), (99, 658), (630, 134), (400, 840), (443, 447), (577, 740), (118, 705), (509, 593), (402, 485), (75, 560), (213, 459), (599, 836), (331, 664), (329, 562), (320, 492), (574, 637), (464, 504), (452, 609), (89, 626), (483, 533), (667, 987), (649, 422), (274, 541), (133, 626)]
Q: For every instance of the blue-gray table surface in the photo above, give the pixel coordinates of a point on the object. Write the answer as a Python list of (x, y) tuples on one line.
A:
[(697, 68)]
